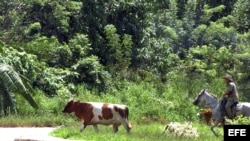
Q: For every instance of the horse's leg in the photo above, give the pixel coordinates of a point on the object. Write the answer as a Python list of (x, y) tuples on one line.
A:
[(212, 129), (216, 122), (223, 122)]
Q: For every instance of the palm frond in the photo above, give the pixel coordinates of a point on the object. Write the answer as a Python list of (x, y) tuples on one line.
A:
[(12, 82)]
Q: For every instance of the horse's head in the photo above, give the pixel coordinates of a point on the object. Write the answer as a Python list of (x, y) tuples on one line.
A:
[(200, 98)]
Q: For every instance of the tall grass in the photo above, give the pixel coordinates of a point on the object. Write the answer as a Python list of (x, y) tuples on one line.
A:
[(150, 110), (48, 115), (147, 101), (151, 105)]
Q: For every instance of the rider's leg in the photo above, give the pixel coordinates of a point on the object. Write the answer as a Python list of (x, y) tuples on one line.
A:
[(229, 103)]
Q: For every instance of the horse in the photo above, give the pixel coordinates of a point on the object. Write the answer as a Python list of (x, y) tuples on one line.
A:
[(242, 108)]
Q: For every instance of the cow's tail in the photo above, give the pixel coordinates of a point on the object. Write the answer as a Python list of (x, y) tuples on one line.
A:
[(126, 116)]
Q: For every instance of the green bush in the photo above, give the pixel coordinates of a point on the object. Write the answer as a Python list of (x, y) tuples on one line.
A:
[(240, 120)]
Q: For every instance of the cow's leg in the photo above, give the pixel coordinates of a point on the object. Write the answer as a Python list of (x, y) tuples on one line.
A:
[(126, 125), (96, 128), (115, 128), (83, 127)]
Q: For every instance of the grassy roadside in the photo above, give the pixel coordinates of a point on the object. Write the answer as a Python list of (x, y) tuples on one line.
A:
[(151, 131), (140, 132), (32, 121)]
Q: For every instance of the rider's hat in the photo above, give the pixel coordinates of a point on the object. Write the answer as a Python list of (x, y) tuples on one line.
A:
[(228, 77)]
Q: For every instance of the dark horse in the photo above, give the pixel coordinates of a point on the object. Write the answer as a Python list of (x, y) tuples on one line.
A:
[(214, 104)]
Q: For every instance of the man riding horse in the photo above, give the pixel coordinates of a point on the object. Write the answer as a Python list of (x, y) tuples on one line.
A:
[(231, 96)]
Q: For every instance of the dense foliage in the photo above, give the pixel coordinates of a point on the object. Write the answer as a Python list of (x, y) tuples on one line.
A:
[(138, 51)]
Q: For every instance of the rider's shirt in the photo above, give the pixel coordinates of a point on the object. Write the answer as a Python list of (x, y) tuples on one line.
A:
[(231, 87)]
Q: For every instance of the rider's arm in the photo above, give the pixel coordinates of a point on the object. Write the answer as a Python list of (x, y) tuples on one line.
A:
[(228, 91)]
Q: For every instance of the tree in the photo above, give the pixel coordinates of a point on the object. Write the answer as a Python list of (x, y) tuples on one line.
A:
[(119, 50), (240, 13), (11, 83), (15, 67)]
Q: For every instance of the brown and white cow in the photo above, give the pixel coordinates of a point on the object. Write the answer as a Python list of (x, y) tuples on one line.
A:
[(93, 113)]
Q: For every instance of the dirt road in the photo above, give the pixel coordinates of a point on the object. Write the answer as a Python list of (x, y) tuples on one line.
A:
[(28, 134)]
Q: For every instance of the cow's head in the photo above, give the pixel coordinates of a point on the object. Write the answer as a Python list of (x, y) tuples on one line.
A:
[(69, 107)]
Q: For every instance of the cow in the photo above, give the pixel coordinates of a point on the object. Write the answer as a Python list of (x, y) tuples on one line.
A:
[(93, 113)]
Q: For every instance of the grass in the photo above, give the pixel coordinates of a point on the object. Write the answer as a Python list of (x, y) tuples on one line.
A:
[(139, 132), (32, 121)]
